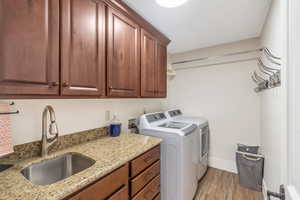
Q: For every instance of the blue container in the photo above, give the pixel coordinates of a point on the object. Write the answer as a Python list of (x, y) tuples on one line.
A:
[(115, 130)]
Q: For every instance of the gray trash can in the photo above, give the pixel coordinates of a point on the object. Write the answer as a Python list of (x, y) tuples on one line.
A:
[(250, 168)]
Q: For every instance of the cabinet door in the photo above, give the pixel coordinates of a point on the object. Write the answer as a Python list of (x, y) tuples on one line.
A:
[(123, 56), (161, 70), (83, 47), (148, 64), (29, 47)]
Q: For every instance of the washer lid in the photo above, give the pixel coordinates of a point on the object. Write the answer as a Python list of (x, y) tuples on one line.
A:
[(174, 125)]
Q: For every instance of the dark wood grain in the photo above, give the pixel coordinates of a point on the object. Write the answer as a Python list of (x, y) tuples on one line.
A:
[(157, 197), (142, 162), (126, 10), (29, 47), (83, 47), (148, 64), (92, 63), (106, 187), (150, 191), (141, 180), (123, 56), (122, 194), (161, 70)]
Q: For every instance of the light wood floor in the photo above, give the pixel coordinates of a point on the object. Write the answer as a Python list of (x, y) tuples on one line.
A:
[(221, 185)]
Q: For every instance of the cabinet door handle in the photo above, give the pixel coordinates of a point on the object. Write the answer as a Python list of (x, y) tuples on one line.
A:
[(66, 84), (53, 84)]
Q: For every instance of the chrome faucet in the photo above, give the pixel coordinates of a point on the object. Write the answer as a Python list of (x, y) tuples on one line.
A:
[(53, 130)]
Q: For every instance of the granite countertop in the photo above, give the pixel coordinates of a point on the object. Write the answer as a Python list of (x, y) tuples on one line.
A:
[(108, 152)]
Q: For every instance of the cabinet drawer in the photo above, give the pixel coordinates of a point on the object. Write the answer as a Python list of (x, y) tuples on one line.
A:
[(157, 197), (122, 194), (104, 187), (144, 161), (141, 180), (150, 191)]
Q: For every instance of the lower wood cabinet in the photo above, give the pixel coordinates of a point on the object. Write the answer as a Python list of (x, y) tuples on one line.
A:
[(145, 176), (150, 191), (157, 197), (121, 194), (139, 179), (113, 186)]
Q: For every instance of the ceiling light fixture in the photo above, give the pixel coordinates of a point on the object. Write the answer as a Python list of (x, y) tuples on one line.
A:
[(171, 3)]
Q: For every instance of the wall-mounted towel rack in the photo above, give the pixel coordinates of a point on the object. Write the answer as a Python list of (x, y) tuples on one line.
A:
[(10, 113), (273, 74)]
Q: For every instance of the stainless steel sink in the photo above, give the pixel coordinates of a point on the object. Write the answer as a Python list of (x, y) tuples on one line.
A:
[(57, 169)]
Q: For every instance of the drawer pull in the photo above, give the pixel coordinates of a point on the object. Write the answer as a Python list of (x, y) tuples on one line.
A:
[(148, 159)]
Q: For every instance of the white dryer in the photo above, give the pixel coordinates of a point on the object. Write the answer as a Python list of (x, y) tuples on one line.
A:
[(203, 138), (178, 171)]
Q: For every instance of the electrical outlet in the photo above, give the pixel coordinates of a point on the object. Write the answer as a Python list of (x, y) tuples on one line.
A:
[(132, 123)]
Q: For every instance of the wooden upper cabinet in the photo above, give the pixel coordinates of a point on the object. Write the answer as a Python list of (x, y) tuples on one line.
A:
[(123, 56), (161, 70), (148, 64), (29, 47), (83, 47), (153, 66)]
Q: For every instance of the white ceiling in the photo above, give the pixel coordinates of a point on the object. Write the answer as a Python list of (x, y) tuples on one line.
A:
[(203, 23)]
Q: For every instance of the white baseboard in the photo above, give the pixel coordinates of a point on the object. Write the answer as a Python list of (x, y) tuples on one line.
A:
[(222, 164), (264, 190)]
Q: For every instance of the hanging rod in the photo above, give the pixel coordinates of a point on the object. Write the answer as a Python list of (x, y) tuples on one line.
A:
[(220, 56), (213, 64)]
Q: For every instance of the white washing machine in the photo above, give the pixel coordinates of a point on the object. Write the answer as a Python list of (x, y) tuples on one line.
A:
[(178, 171), (203, 138)]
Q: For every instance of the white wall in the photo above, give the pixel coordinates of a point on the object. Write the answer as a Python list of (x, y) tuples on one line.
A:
[(273, 104), (224, 94), (74, 115)]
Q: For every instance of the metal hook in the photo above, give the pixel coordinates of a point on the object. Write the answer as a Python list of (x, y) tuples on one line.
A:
[(268, 53), (259, 78), (264, 71), (260, 62), (275, 78), (253, 78), (273, 61)]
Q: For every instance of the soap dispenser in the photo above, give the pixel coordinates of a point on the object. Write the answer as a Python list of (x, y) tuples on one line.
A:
[(115, 127)]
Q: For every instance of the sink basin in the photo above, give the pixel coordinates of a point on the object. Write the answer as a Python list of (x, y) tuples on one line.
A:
[(57, 169)]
